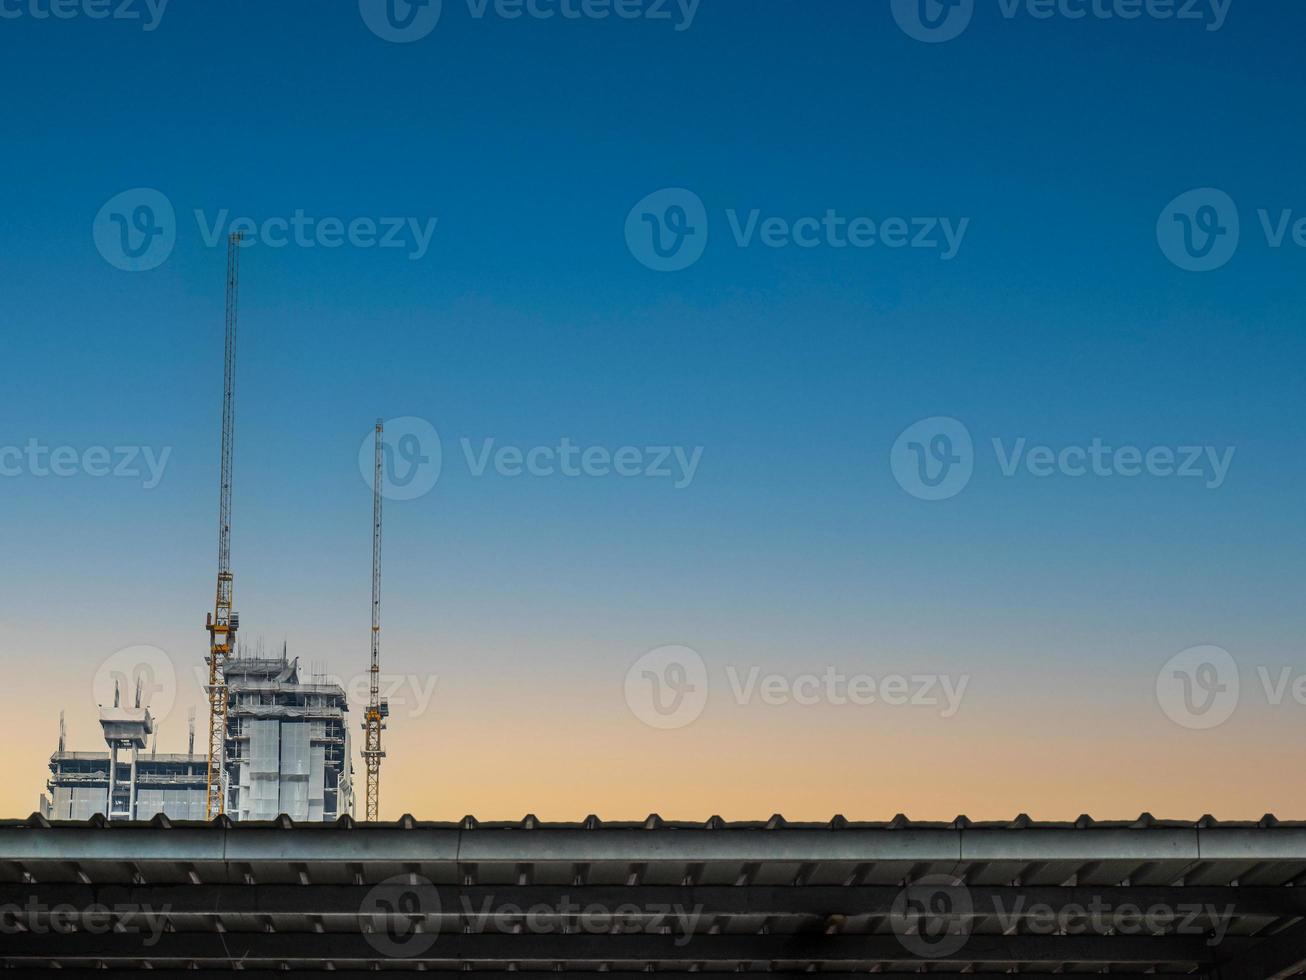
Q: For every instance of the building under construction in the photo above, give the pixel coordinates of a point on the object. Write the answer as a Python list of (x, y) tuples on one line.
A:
[(276, 745), (287, 750), (287, 745)]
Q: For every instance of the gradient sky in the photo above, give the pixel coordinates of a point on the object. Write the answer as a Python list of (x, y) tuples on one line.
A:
[(529, 320)]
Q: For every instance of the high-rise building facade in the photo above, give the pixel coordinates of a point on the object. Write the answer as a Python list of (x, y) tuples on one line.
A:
[(287, 743)]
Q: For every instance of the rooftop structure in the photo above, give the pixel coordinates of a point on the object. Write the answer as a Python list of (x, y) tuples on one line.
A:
[(124, 782)]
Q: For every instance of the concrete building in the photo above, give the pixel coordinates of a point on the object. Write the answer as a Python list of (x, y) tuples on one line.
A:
[(167, 783), (287, 744), (125, 782), (287, 751)]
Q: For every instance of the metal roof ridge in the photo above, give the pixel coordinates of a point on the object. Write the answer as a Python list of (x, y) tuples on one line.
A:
[(592, 822)]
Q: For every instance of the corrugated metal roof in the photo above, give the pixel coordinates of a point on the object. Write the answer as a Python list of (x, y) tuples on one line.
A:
[(766, 896), (656, 822)]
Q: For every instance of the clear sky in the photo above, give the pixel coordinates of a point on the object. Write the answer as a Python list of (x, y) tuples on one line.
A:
[(1033, 159)]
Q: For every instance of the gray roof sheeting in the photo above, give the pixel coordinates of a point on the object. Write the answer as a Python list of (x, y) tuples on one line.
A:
[(768, 896)]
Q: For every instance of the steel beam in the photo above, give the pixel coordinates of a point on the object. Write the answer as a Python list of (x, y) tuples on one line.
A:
[(264, 974), (253, 948), (478, 902), (503, 846), (1278, 956)]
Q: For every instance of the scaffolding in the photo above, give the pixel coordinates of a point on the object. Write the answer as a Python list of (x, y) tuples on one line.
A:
[(287, 743)]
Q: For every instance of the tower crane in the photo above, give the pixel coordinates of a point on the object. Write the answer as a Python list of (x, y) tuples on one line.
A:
[(222, 622), (378, 709)]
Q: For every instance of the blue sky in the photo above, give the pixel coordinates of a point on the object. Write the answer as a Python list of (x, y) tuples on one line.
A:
[(529, 320)]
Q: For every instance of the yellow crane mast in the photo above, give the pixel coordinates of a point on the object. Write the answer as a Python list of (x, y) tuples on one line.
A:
[(222, 622), (377, 708)]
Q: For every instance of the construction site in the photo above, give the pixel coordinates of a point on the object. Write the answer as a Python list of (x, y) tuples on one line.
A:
[(278, 742), (247, 855)]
